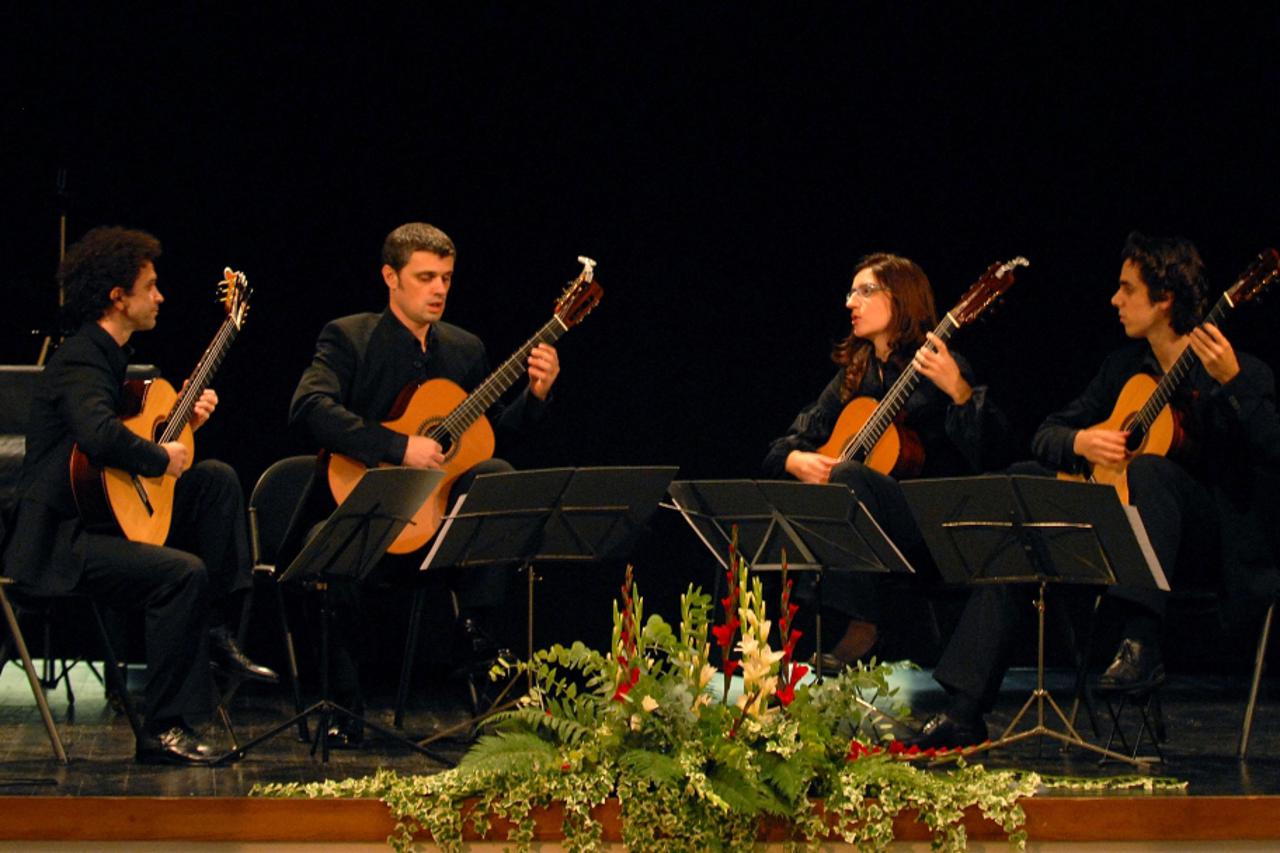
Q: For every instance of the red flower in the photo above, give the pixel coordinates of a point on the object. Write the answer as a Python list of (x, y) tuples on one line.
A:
[(787, 693), (625, 687), (724, 633), (857, 749), (789, 649), (731, 666)]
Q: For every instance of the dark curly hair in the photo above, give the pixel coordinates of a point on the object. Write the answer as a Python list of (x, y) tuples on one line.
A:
[(1170, 265), (914, 314), (104, 258), (415, 237)]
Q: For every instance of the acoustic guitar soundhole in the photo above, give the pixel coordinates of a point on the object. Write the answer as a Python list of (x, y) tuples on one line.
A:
[(432, 428), (1137, 435)]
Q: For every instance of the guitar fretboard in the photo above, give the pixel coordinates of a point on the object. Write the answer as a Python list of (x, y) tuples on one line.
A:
[(1169, 383), (199, 380), (488, 392), (865, 440)]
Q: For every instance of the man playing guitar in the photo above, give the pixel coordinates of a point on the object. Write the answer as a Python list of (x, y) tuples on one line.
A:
[(111, 289), (363, 364), (1199, 509)]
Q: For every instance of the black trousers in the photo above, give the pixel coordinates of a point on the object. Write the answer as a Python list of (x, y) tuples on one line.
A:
[(1179, 516), (857, 594), (481, 588), (206, 558)]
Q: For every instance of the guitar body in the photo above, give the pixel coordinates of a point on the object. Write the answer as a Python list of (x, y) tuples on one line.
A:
[(109, 498), (1164, 438), (898, 453), (430, 404), (441, 407)]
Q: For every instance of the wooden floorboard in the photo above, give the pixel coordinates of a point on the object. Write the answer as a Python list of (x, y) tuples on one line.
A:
[(249, 820)]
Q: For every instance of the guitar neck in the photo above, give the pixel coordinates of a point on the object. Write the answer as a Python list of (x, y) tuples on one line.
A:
[(1169, 383), (488, 392), (891, 404), (199, 380)]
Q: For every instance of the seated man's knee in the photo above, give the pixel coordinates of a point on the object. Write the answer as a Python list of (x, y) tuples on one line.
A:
[(185, 571), (1147, 470), (214, 473), (854, 475), (493, 466)]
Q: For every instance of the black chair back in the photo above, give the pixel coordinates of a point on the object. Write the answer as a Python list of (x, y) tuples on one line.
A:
[(274, 500)]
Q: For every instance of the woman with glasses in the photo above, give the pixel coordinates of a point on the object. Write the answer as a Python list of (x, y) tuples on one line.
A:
[(945, 428)]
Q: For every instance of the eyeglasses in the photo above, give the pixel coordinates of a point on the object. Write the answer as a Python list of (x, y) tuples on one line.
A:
[(865, 291)]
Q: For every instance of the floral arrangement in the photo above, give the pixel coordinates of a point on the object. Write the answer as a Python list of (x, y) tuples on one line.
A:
[(652, 724)]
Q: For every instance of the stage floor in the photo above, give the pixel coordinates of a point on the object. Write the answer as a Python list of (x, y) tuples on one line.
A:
[(1203, 716), (102, 798)]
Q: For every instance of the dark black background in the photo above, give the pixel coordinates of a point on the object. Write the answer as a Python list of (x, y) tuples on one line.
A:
[(725, 163)]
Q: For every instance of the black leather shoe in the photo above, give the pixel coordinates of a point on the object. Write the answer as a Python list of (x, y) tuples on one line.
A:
[(830, 664), (943, 731), (1137, 666), (476, 643), (833, 664), (176, 745), (477, 649), (345, 734), (226, 655)]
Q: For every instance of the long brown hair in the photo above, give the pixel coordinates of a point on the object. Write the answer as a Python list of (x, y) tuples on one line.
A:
[(914, 314)]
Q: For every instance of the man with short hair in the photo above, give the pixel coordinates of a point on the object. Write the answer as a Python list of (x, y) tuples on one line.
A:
[(1197, 509), (111, 288), (361, 366)]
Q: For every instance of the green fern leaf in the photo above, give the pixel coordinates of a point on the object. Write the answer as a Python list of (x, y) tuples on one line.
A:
[(510, 752), (656, 767)]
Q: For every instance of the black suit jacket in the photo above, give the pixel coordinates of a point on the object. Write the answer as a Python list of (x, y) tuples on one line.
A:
[(362, 364), (77, 401)]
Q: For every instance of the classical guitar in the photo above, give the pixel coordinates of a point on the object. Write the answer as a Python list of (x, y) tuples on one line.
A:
[(142, 507), (441, 410), (1143, 405), (866, 432)]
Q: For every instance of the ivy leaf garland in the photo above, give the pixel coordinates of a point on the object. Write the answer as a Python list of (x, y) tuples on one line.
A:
[(690, 770)]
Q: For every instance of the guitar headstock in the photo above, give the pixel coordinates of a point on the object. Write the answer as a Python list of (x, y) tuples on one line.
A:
[(233, 293), (580, 297), (991, 286), (1260, 274)]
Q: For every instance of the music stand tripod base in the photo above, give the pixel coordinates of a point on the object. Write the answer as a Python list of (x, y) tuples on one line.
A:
[(1026, 529), (347, 547)]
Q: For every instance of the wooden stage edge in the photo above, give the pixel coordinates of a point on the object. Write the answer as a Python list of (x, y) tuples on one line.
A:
[(248, 820)]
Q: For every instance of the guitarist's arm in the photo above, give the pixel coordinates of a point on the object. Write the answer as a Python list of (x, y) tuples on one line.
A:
[(530, 403), (319, 404), (974, 426), (1064, 439), (1246, 396), (809, 431), (88, 399)]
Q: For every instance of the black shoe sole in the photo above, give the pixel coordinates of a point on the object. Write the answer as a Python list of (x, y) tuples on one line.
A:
[(1130, 687), (168, 759), (237, 672)]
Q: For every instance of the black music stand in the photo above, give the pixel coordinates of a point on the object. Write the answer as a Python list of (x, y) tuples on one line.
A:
[(1001, 529), (348, 545), (817, 526), (582, 515)]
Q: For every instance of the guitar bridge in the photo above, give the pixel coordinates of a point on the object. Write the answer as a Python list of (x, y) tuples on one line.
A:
[(142, 495)]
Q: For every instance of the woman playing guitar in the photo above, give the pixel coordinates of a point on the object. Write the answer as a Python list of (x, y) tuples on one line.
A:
[(943, 427)]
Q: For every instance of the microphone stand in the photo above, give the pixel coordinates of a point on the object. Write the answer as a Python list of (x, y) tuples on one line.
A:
[(63, 198)]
